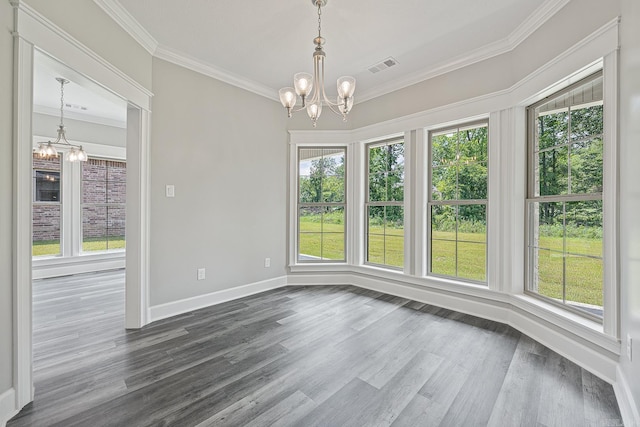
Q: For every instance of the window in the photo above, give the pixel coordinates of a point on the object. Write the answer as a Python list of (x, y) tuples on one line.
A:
[(564, 205), (385, 203), (103, 204), (321, 204), (458, 202), (46, 206)]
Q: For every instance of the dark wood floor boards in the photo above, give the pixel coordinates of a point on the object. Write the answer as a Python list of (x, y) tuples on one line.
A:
[(312, 355)]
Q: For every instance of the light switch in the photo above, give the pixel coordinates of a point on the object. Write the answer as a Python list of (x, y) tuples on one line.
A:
[(171, 190)]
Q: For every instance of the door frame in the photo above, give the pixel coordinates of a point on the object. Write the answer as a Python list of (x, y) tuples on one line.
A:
[(33, 31)]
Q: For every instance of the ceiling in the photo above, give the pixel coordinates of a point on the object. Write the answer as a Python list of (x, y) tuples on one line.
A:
[(84, 99), (259, 45)]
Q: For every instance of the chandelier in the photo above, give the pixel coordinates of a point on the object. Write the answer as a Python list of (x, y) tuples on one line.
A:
[(47, 150), (311, 88)]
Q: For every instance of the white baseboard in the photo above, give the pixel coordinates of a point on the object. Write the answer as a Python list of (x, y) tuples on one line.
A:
[(7, 406), (628, 408), (162, 311)]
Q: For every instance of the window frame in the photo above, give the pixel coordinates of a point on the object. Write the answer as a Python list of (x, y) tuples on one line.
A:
[(323, 205), (531, 198), (455, 202), (368, 203)]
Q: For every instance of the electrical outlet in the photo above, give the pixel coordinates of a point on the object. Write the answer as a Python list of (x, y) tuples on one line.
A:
[(267, 262), (629, 347), (201, 274), (170, 191)]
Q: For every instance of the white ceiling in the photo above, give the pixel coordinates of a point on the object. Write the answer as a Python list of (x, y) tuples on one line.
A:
[(260, 45), (84, 99)]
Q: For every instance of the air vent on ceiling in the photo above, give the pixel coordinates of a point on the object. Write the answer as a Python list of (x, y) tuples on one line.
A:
[(383, 65), (76, 107)]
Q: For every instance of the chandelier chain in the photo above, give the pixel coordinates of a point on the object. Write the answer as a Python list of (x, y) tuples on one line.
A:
[(319, 19), (62, 103)]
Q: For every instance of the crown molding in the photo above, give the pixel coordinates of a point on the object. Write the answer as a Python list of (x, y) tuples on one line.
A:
[(215, 72), (122, 17), (541, 15)]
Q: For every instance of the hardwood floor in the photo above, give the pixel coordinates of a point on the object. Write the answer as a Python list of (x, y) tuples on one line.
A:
[(303, 356)]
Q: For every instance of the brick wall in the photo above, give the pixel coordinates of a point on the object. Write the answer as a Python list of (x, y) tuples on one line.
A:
[(103, 198)]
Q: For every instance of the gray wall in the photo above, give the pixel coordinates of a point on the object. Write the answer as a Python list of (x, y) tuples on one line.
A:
[(629, 191), (6, 197), (225, 151)]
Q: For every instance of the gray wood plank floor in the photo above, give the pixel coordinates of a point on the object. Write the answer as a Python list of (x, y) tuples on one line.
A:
[(296, 356)]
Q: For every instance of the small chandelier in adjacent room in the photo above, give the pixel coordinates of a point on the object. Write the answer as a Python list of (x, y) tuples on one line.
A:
[(311, 88), (47, 150)]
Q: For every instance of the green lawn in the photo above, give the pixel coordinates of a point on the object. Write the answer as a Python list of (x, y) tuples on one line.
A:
[(583, 274), (52, 247)]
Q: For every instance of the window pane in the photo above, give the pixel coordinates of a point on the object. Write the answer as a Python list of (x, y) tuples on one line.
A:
[(549, 275), (375, 234), (310, 246), (378, 187), (46, 186), (116, 192), (378, 160), (395, 157), (472, 181), (443, 222), (584, 283), (394, 250), (565, 237), (444, 149), (472, 261), (444, 183), (473, 144), (333, 233), (586, 166), (443, 257), (333, 177), (46, 229), (553, 127), (103, 204), (552, 172), (311, 219), (395, 186), (375, 248), (586, 122), (472, 223)]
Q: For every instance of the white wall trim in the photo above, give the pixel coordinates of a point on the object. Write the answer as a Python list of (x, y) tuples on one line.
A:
[(174, 308), (7, 406), (628, 409), (215, 72), (122, 17)]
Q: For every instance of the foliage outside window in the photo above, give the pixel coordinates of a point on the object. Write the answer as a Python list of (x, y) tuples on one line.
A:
[(321, 204), (564, 202), (46, 207), (103, 204), (385, 203), (458, 202)]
